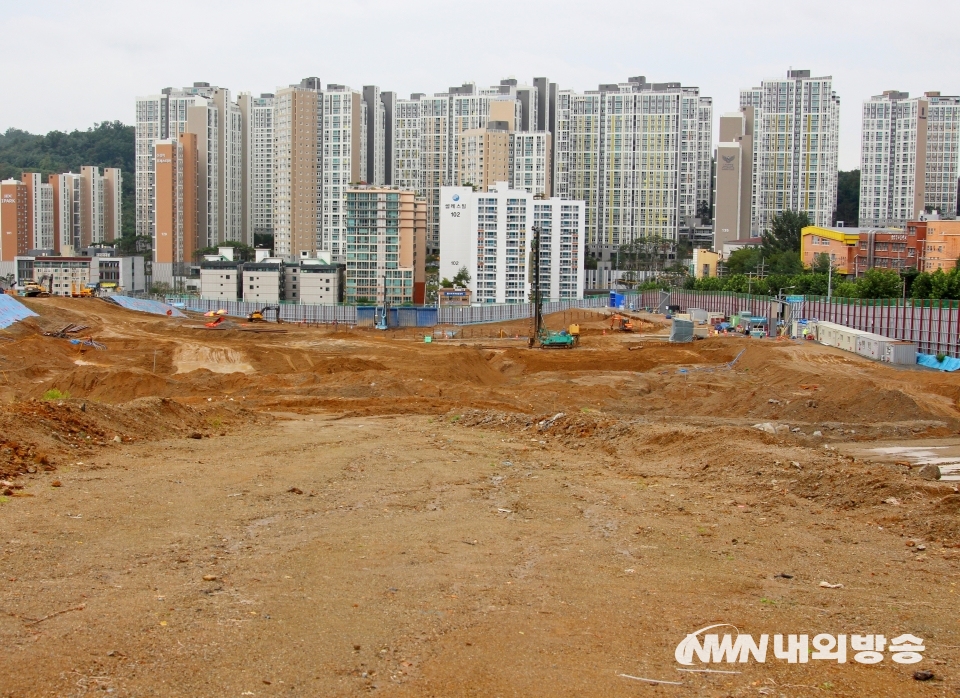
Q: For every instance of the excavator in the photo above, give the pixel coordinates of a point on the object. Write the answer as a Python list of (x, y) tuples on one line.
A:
[(38, 289), (621, 323), (258, 315)]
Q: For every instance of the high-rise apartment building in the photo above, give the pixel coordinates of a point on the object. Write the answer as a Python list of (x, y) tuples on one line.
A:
[(893, 158), (638, 154), (484, 157), (381, 250), (258, 139), (375, 135), (344, 161), (490, 235), (40, 220), (298, 130), (320, 151), (943, 154), (176, 214), (529, 161), (909, 157), (795, 147), (15, 236), (208, 112), (67, 198), (407, 140)]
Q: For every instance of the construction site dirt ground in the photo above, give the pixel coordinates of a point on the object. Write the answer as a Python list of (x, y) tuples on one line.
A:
[(193, 512)]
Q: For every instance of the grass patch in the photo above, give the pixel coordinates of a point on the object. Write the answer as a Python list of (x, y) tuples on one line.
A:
[(54, 394)]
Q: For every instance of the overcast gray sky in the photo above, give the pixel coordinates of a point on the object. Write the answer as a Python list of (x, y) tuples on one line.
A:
[(70, 64)]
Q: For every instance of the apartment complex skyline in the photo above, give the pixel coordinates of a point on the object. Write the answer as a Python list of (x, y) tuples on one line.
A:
[(68, 212), (638, 153)]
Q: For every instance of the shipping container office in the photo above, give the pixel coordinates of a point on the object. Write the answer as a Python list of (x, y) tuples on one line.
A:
[(902, 353), (872, 346), (834, 335)]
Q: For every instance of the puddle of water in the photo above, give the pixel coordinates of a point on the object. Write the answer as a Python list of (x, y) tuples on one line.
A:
[(926, 455)]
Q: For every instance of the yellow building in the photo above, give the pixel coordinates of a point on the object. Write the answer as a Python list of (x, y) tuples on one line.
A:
[(704, 263), (839, 243)]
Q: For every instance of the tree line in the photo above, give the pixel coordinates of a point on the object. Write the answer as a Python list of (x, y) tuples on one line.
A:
[(775, 267)]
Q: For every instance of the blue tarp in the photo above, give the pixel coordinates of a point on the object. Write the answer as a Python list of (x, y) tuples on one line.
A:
[(145, 306), (929, 360), (12, 310)]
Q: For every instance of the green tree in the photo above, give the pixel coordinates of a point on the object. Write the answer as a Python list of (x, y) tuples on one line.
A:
[(107, 144), (446, 283), (242, 252), (922, 285), (848, 198), (784, 232), (821, 263), (462, 278), (743, 261), (879, 283), (785, 263), (263, 241)]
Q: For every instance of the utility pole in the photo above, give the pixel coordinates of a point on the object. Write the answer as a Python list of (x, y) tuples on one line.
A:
[(830, 280)]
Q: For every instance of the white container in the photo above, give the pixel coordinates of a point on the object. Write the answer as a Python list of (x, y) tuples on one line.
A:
[(903, 353)]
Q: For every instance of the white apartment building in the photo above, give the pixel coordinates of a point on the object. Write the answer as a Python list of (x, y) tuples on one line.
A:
[(529, 164), (490, 234), (40, 213), (67, 198), (375, 135), (407, 129), (892, 159), (258, 114), (909, 157), (943, 154), (344, 158), (638, 154), (795, 152)]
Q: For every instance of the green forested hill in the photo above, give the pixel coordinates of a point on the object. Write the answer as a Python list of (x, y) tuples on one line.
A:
[(109, 144)]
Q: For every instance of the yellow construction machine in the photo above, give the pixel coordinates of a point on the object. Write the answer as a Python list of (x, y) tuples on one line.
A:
[(258, 315)]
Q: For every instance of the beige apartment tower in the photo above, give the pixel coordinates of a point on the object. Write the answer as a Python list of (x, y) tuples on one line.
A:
[(734, 178), (484, 156), (298, 177)]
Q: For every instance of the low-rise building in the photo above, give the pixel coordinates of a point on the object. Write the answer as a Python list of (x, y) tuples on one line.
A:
[(855, 250), (941, 243), (100, 271), (263, 281), (704, 263), (315, 283), (220, 280)]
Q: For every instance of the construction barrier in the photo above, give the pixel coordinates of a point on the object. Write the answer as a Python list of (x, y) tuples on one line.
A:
[(12, 310), (933, 325)]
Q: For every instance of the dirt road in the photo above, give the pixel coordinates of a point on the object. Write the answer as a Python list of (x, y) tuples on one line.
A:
[(345, 514)]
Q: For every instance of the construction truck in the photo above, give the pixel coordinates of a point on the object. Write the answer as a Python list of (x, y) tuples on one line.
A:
[(258, 315), (621, 323)]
